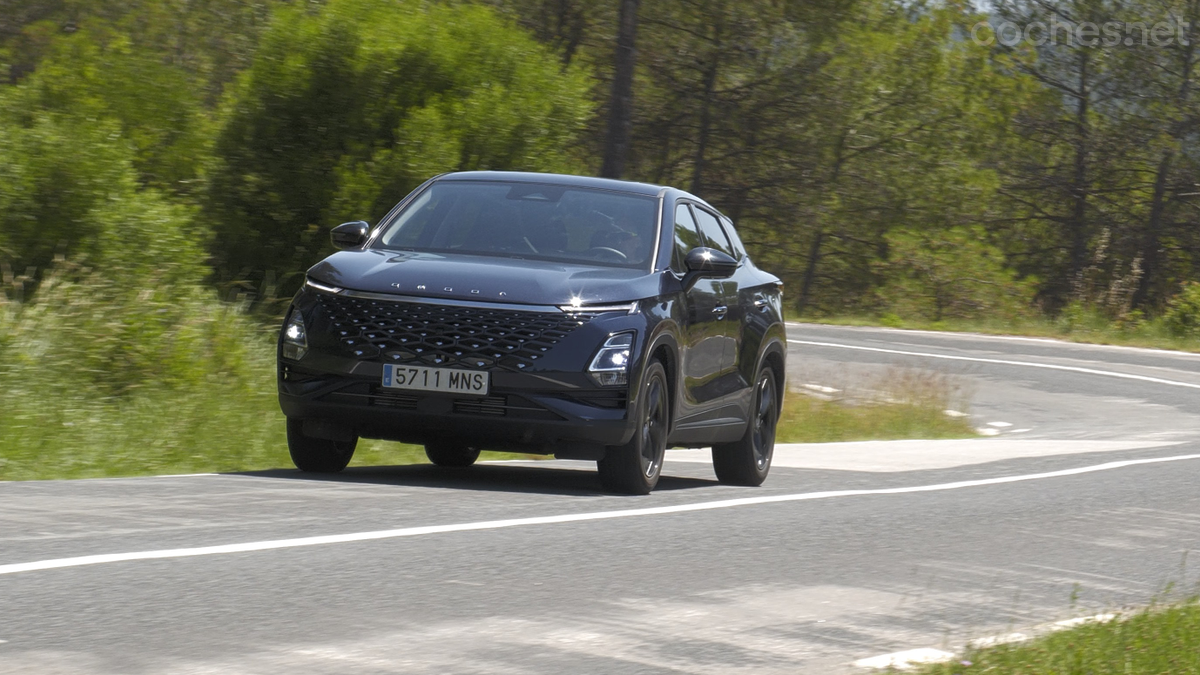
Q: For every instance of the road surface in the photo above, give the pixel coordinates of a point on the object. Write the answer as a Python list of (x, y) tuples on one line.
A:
[(1084, 500)]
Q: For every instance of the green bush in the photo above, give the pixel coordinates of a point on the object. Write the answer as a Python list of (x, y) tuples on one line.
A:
[(1182, 318), (348, 107), (937, 274)]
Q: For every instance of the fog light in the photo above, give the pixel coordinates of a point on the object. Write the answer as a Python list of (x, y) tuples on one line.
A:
[(610, 366), (295, 337)]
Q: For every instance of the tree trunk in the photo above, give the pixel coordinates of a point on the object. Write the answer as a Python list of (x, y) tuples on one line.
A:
[(810, 271), (1151, 241), (710, 83), (620, 105), (1079, 184)]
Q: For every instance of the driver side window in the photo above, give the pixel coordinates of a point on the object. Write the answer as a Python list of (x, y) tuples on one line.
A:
[(687, 237)]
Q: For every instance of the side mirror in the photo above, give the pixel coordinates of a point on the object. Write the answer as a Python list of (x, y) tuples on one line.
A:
[(350, 235), (708, 262)]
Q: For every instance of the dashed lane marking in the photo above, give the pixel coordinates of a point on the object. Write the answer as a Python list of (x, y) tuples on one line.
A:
[(247, 547)]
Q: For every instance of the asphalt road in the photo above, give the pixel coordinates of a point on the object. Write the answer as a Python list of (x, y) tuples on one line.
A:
[(1086, 500)]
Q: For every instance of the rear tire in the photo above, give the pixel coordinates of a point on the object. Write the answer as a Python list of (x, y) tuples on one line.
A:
[(444, 453), (634, 468), (317, 455), (747, 461)]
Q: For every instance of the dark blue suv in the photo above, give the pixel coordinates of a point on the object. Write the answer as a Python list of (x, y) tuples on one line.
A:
[(578, 317)]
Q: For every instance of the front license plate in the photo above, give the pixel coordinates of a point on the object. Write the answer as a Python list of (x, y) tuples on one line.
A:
[(446, 380)]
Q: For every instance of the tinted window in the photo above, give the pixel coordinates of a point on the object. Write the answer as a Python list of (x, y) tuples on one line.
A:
[(527, 220), (686, 237), (738, 247), (713, 233)]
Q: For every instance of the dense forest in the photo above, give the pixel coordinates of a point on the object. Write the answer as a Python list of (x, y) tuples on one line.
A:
[(881, 156)]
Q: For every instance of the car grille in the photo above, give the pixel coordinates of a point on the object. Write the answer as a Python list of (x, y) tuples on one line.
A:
[(445, 335)]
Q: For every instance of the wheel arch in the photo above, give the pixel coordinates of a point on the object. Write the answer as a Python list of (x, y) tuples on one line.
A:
[(775, 357), (664, 347)]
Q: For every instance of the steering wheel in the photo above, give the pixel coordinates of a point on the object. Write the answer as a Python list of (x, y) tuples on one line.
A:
[(606, 252)]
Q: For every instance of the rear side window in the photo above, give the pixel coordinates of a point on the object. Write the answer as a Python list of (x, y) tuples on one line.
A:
[(686, 237), (738, 247), (713, 233)]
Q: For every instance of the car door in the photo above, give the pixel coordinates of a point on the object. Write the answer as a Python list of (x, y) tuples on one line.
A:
[(702, 326), (729, 310)]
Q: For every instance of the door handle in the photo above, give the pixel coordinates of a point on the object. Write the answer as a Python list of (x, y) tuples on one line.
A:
[(720, 311)]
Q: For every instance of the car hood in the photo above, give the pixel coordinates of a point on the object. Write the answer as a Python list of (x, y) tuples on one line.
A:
[(482, 278)]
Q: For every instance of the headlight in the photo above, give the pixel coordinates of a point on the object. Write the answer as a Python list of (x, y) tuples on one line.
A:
[(295, 338), (610, 366)]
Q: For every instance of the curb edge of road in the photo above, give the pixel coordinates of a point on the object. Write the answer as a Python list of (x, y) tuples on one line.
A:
[(909, 659)]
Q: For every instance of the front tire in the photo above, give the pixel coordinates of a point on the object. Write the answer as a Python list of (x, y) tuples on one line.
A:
[(317, 455), (747, 461), (443, 453), (634, 468)]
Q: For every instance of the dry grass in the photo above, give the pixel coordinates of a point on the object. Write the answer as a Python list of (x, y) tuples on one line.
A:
[(897, 403)]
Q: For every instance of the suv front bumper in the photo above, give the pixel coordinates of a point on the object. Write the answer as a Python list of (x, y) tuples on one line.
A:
[(564, 414)]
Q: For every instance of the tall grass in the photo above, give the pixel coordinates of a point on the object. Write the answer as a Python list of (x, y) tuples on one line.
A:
[(97, 379), (1154, 641)]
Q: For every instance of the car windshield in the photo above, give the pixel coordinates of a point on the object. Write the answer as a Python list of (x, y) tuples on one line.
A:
[(527, 220)]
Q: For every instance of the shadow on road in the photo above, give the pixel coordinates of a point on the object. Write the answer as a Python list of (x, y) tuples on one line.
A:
[(535, 477)]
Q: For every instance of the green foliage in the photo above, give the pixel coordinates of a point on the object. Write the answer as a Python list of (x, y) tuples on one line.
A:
[(87, 144), (99, 73), (112, 330), (939, 274), (347, 108), (1182, 318), (1153, 641), (68, 187)]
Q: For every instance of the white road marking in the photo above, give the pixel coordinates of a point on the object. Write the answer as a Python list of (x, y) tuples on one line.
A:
[(987, 431), (1000, 425), (553, 520), (1003, 362), (954, 413), (1080, 621), (1004, 639), (919, 455), (1014, 338), (905, 660)]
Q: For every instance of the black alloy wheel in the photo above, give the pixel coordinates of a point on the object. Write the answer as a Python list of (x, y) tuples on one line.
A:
[(317, 455), (634, 468), (747, 461), (448, 453)]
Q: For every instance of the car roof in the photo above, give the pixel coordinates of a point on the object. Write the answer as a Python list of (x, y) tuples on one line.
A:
[(556, 179)]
